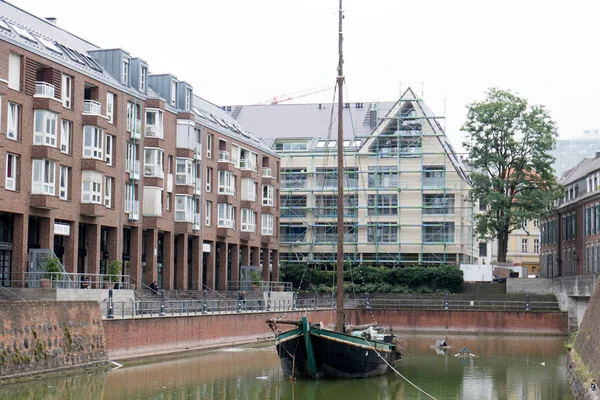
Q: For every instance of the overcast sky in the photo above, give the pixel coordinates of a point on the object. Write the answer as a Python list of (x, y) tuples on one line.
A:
[(246, 52)]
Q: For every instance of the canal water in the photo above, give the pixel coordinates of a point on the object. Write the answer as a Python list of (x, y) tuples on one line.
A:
[(503, 367)]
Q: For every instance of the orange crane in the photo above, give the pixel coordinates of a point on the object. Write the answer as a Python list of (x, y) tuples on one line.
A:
[(298, 94)]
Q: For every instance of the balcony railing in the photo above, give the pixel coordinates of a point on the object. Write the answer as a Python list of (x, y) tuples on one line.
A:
[(224, 156), (247, 165), (154, 131), (267, 172), (226, 223), (197, 221), (133, 209), (133, 168), (91, 107), (44, 89), (251, 196), (228, 190)]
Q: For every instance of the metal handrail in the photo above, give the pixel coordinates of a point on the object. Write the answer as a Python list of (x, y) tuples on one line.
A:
[(69, 280)]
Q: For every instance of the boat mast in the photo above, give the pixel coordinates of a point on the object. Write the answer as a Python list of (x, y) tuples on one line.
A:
[(340, 195)]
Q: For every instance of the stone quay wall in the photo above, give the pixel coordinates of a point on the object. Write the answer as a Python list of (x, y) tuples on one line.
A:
[(140, 337), (39, 337)]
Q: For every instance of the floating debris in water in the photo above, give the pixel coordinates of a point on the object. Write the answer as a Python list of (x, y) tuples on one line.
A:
[(262, 377)]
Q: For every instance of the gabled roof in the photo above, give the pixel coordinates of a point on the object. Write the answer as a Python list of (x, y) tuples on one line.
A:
[(580, 171)]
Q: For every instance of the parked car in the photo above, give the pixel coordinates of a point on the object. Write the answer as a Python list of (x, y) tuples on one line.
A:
[(499, 279)]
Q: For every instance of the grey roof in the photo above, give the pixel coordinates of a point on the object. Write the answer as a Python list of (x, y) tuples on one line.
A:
[(580, 171), (314, 120), (216, 118)]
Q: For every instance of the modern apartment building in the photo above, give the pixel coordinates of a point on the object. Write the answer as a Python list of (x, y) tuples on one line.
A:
[(406, 188), (569, 152), (570, 235), (106, 161)]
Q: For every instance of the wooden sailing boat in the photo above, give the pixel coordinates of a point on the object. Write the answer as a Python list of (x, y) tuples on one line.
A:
[(312, 351)]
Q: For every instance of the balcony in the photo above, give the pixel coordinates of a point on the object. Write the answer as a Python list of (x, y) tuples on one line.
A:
[(133, 168), (267, 173), (227, 190), (251, 196), (44, 89), (91, 107), (154, 131), (153, 171), (197, 221), (92, 210), (133, 209), (247, 165), (224, 156)]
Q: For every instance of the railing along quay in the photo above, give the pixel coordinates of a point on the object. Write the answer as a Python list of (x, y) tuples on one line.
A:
[(147, 308)]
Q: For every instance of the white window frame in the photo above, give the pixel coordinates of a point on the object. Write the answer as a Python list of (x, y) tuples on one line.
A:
[(153, 166), (184, 211), (226, 183), (209, 145), (209, 172), (143, 73), (208, 213), (63, 183), (108, 191), (14, 71), (110, 140), (11, 172), (248, 220), (524, 246), (130, 117), (188, 99), (225, 215), (158, 123), (173, 92), (110, 107), (67, 90), (44, 128), (125, 77), (44, 182), (268, 195), (184, 171), (66, 129), (267, 224), (94, 147), (536, 246), (91, 187), (13, 121)]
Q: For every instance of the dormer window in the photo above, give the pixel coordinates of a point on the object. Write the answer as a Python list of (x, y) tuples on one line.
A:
[(125, 77), (188, 99), (173, 93), (143, 77)]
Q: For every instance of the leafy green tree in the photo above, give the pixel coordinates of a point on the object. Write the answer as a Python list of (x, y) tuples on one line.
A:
[(509, 144)]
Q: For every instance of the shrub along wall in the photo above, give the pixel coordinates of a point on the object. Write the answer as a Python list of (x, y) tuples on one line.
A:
[(417, 279)]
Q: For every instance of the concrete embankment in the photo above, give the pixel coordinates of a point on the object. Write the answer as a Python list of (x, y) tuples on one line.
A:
[(139, 337), (47, 336)]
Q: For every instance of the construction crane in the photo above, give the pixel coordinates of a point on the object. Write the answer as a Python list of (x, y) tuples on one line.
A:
[(298, 94)]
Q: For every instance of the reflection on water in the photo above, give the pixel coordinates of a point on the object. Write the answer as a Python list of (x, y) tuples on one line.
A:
[(504, 367)]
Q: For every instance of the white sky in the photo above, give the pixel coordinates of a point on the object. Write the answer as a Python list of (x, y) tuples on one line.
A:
[(246, 52)]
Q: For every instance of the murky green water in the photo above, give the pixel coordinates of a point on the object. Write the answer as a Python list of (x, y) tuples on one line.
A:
[(505, 367)]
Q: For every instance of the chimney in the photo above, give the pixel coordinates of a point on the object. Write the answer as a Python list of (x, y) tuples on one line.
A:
[(52, 20), (373, 118)]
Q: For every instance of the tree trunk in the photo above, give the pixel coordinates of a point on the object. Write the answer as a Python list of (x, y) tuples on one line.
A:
[(502, 246)]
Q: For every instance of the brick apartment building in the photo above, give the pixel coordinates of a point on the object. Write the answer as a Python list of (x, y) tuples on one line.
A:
[(105, 161), (570, 235)]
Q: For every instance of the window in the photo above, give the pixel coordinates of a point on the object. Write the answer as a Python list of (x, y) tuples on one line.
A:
[(153, 162), (92, 142), (67, 90), (382, 204), (226, 183), (482, 249), (326, 205), (524, 245), (183, 171), (109, 149), (248, 189), (183, 208), (293, 206), (108, 192), (65, 136), (11, 172), (209, 145), (434, 176), (293, 178), (173, 93), (91, 187), (110, 107), (168, 203), (208, 213), (438, 232), (44, 132), (536, 246), (42, 181), (268, 196), (209, 172), (14, 120), (188, 99), (383, 176), (154, 123), (225, 215), (267, 224), (63, 183), (248, 220), (382, 233), (438, 204), (290, 145), (143, 77), (130, 117), (126, 71), (328, 233), (536, 223), (14, 71)]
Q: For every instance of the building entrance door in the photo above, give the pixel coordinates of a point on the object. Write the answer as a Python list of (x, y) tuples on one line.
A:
[(5, 267)]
